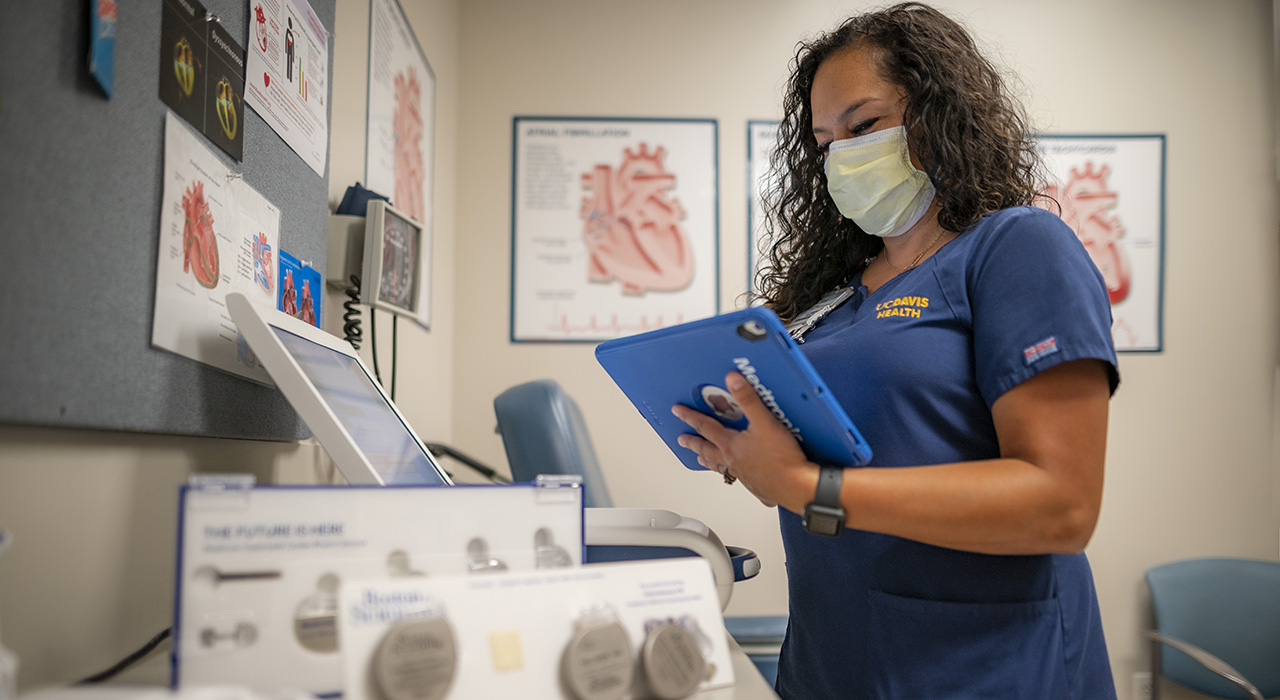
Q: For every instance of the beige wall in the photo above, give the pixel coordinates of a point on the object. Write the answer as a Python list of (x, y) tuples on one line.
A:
[(1191, 467), (90, 575)]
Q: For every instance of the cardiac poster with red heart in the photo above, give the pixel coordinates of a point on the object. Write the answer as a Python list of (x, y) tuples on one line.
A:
[(217, 236), (615, 226), (1110, 191)]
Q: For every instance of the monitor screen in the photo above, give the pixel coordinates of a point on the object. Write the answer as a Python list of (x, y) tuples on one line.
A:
[(364, 412)]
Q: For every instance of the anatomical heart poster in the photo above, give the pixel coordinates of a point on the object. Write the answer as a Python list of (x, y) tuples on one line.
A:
[(615, 226), (217, 236), (399, 160), (1110, 190)]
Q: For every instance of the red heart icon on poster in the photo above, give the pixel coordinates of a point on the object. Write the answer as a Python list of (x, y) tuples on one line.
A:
[(266, 80)]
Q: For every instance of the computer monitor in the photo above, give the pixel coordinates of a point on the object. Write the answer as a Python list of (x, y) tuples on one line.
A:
[(327, 384), (393, 275)]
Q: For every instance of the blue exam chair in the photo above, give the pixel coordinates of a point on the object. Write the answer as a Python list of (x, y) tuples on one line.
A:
[(1220, 619)]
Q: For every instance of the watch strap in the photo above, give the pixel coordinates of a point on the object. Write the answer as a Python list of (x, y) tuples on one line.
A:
[(830, 479), (825, 516)]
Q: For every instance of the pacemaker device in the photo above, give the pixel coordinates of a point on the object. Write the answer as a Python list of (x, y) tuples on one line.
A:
[(687, 364), (327, 384)]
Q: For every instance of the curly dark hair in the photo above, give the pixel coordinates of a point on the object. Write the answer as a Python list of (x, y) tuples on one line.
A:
[(970, 136)]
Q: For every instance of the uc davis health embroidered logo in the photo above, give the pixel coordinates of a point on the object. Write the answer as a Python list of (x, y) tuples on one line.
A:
[(902, 306), (1048, 346)]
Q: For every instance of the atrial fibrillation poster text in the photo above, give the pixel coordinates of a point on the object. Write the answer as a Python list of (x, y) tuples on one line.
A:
[(615, 226), (217, 236), (1110, 191), (401, 127), (287, 75)]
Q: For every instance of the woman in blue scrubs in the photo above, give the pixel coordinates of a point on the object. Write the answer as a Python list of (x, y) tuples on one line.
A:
[(967, 334)]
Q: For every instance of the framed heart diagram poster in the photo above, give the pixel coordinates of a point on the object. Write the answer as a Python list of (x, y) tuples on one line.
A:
[(1110, 191), (615, 226)]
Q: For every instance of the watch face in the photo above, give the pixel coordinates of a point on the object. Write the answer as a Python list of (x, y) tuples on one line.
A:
[(823, 520)]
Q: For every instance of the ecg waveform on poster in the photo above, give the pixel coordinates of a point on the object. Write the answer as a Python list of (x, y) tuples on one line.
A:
[(613, 326)]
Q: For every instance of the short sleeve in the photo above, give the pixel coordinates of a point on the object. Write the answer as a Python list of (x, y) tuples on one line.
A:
[(1037, 300)]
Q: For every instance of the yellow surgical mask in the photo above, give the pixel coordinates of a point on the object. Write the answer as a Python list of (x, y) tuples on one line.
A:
[(872, 181)]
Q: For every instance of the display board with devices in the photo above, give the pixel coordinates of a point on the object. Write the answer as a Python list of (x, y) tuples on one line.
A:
[(624, 631), (334, 393), (260, 568), (687, 364)]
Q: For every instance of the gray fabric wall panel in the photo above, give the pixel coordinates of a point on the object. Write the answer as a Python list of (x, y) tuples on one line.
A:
[(80, 187)]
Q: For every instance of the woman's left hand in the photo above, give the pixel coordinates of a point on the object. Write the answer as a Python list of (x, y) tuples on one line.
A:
[(765, 456)]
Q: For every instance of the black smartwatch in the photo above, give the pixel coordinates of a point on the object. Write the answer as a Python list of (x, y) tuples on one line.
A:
[(825, 516)]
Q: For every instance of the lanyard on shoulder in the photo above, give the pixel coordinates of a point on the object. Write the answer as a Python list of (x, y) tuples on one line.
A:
[(806, 321)]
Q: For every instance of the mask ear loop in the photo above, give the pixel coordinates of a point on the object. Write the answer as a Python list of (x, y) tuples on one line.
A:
[(922, 209), (932, 171)]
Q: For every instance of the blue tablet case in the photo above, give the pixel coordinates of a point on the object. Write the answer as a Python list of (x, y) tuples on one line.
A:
[(687, 364)]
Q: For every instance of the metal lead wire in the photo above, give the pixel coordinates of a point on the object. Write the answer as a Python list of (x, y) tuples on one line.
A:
[(806, 321)]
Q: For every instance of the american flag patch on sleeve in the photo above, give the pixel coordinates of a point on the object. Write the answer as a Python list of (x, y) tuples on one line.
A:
[(1042, 349)]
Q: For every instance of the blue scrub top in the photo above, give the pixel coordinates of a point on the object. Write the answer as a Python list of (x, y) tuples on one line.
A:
[(917, 365)]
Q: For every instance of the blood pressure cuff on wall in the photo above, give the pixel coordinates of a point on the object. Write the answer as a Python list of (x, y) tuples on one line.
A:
[(356, 200)]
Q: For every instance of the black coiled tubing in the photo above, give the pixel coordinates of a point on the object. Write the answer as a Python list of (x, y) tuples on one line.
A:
[(351, 318)]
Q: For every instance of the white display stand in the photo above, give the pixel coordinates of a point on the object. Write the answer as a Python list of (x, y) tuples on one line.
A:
[(259, 569), (510, 630)]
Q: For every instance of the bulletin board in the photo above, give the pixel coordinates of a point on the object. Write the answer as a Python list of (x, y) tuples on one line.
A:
[(81, 177)]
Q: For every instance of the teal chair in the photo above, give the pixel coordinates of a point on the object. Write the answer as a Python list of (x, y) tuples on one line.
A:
[(543, 432), (1217, 627)]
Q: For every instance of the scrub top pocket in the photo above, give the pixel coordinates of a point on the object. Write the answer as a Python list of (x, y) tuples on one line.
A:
[(934, 650)]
